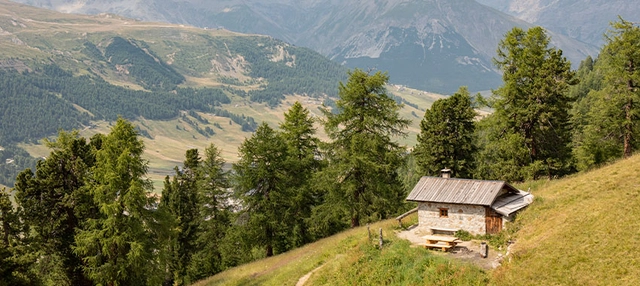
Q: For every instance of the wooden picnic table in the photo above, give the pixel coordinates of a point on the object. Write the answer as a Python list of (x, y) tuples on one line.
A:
[(441, 242)]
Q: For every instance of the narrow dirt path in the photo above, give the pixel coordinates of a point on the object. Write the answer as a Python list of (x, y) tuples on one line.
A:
[(306, 277)]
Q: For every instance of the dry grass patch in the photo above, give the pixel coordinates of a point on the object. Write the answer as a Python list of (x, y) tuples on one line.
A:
[(582, 230)]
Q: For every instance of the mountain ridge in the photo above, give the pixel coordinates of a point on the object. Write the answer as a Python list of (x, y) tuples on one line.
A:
[(586, 22), (432, 45)]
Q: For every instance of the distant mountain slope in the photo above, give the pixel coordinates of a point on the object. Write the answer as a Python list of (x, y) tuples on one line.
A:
[(184, 87), (579, 19), (434, 45)]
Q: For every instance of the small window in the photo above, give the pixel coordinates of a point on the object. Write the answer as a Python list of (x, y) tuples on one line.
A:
[(444, 212)]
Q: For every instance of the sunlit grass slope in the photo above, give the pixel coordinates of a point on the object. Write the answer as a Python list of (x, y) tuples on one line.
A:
[(582, 230), (349, 258)]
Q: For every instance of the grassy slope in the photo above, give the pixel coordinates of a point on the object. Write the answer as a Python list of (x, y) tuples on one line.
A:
[(582, 230), (348, 258)]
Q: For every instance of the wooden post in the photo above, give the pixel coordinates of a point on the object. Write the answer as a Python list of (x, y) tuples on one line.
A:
[(484, 250), (369, 232), (381, 238)]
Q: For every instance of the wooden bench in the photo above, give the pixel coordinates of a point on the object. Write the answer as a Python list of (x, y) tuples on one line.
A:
[(442, 246), (440, 242), (442, 230)]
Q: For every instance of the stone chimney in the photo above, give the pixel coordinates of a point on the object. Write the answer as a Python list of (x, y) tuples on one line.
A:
[(445, 173)]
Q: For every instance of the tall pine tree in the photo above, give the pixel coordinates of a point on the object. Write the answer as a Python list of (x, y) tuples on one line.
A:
[(261, 184), (214, 216), (447, 137), (612, 129), (363, 156), (532, 105), (118, 247), (298, 133), (180, 200)]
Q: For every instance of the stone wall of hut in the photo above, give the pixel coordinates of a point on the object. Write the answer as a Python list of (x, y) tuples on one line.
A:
[(466, 217)]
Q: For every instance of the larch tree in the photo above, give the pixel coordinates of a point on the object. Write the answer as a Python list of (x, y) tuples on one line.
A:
[(613, 128), (363, 158), (214, 215), (117, 247), (447, 137), (180, 200), (533, 102), (261, 183), (299, 135)]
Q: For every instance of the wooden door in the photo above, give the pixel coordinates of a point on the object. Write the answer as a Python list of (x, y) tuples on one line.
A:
[(493, 220)]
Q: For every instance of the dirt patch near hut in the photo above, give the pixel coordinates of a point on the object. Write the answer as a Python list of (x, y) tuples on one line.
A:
[(467, 251)]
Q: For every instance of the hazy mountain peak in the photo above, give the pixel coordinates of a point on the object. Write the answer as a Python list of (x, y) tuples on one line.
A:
[(585, 20)]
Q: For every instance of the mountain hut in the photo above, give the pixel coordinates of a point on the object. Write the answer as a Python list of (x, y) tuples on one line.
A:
[(446, 205)]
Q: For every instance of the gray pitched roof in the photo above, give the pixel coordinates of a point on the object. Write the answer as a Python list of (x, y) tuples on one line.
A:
[(457, 191)]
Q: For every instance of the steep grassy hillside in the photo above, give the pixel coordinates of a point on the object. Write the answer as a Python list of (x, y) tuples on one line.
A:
[(582, 230), (349, 258)]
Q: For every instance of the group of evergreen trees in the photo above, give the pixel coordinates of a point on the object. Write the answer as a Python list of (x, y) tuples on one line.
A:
[(547, 120), (87, 215)]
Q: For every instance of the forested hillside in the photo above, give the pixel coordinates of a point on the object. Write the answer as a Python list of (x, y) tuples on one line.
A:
[(68, 71), (55, 92)]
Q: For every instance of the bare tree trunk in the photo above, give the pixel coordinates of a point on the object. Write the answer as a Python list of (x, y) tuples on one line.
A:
[(355, 220), (269, 250)]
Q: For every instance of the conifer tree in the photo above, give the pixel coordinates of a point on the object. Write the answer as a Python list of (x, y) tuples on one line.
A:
[(13, 271), (180, 200), (533, 103), (55, 203), (612, 129), (298, 133), (261, 180), (446, 138), (214, 215), (117, 247), (363, 157)]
